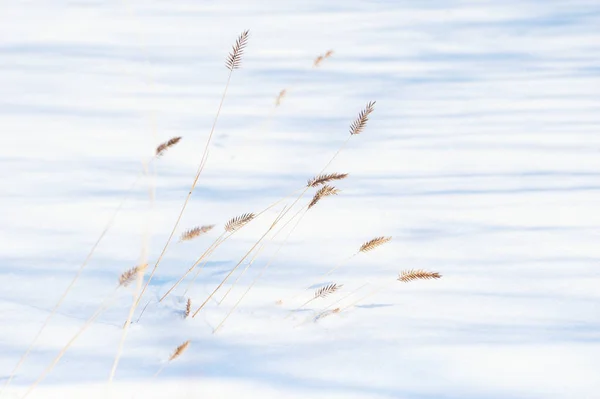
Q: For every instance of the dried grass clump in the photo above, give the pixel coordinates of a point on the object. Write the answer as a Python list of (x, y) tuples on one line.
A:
[(196, 232), (130, 275), (234, 60), (410, 275), (161, 149), (325, 178), (238, 221), (361, 120), (323, 192), (374, 243)]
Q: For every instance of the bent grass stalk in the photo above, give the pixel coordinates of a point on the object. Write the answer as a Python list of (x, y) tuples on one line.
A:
[(191, 283), (221, 242), (344, 297), (139, 271), (366, 247), (105, 305), (139, 281), (76, 277), (265, 244), (324, 191), (232, 63), (243, 272), (209, 251), (277, 219), (355, 128), (231, 227), (327, 311), (218, 242), (319, 293), (265, 267), (405, 277)]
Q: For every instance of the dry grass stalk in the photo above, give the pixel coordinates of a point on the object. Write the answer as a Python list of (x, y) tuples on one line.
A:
[(326, 313), (206, 253), (130, 275), (292, 205), (265, 267), (243, 220), (221, 242), (238, 221), (139, 278), (366, 247), (161, 149), (196, 232), (188, 308), (345, 296), (374, 243), (234, 60), (281, 215), (323, 192), (361, 120), (322, 292), (410, 275), (325, 178), (280, 97), (405, 276), (241, 274), (55, 361), (72, 283)]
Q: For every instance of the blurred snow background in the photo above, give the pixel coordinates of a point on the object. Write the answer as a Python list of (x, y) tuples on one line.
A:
[(481, 160)]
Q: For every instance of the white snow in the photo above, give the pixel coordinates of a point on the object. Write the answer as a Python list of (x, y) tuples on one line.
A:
[(481, 159)]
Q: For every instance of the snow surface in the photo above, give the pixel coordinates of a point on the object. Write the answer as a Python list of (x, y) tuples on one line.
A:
[(481, 160)]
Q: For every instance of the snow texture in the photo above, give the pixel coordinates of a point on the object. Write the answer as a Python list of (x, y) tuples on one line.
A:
[(481, 160)]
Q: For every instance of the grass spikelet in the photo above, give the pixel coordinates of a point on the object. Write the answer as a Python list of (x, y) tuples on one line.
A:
[(327, 290), (410, 275), (238, 221), (234, 60), (325, 178), (130, 275), (188, 308), (361, 120), (322, 292), (318, 61), (161, 149), (196, 232), (374, 243), (324, 191), (179, 351), (322, 57), (280, 97)]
